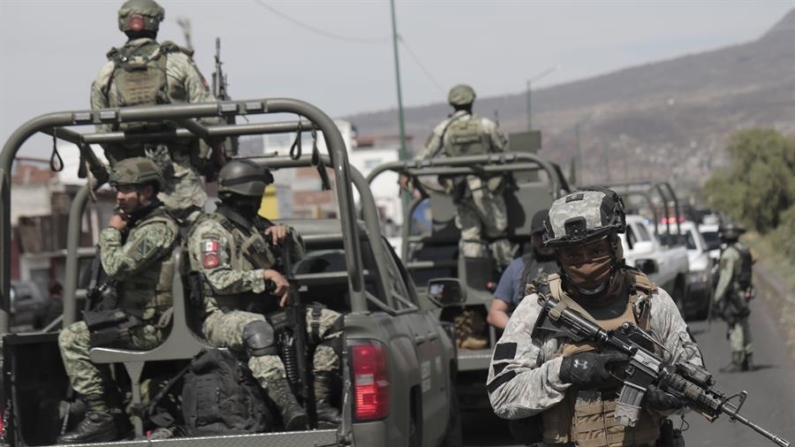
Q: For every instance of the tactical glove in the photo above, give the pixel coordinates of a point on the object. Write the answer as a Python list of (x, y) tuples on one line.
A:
[(589, 370), (659, 400)]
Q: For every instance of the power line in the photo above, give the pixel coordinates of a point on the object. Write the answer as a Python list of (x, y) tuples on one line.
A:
[(319, 31), (353, 39), (421, 65)]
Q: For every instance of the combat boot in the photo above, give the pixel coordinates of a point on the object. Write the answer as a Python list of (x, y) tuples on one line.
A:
[(293, 416), (99, 424), (323, 388), (748, 362), (736, 364)]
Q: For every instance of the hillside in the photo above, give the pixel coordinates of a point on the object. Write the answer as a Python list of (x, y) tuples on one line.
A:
[(663, 120)]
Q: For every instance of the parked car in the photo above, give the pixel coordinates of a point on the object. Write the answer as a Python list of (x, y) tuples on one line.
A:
[(700, 281), (666, 265)]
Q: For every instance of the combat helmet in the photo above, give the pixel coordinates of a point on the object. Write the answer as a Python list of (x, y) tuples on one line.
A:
[(244, 178), (730, 231), (141, 15), (461, 95), (584, 216), (137, 171)]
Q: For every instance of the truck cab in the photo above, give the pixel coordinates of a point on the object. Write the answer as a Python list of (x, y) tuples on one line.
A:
[(398, 359)]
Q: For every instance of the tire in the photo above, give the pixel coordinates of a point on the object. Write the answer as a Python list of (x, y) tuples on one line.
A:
[(453, 436)]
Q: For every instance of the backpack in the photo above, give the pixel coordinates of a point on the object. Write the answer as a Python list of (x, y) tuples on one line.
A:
[(466, 137), (221, 397), (139, 78)]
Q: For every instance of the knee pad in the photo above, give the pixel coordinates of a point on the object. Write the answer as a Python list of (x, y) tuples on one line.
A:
[(258, 339)]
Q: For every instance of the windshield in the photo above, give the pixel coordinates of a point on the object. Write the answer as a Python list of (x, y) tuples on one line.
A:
[(712, 239)]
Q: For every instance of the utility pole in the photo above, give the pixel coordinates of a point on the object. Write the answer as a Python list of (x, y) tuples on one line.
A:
[(403, 154), (578, 153)]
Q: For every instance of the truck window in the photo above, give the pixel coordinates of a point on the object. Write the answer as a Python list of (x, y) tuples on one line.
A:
[(334, 292), (643, 234), (631, 238), (405, 279)]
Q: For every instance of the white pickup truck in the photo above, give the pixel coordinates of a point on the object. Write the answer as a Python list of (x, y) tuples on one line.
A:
[(666, 266)]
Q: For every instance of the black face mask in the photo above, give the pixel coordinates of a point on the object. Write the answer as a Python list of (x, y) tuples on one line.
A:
[(247, 207)]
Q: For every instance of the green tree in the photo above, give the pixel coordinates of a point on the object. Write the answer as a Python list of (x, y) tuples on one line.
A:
[(760, 185)]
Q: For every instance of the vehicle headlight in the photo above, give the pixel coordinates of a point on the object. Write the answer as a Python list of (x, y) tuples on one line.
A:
[(698, 276)]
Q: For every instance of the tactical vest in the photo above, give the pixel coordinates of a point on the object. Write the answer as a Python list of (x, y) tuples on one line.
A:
[(249, 252), (586, 418), (466, 137), (148, 294), (139, 77)]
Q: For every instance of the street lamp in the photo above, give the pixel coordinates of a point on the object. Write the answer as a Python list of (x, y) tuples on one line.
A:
[(529, 93), (403, 151)]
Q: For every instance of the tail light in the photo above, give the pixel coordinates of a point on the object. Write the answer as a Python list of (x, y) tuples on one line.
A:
[(370, 381)]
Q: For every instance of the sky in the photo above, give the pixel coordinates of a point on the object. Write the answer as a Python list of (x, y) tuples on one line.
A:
[(51, 50)]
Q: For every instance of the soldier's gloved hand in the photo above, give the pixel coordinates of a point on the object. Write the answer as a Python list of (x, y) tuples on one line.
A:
[(590, 370), (659, 400)]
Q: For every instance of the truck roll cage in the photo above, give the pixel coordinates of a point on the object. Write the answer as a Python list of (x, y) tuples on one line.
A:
[(185, 117)]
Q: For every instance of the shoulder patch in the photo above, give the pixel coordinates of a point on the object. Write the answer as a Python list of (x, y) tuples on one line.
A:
[(504, 351), (209, 248)]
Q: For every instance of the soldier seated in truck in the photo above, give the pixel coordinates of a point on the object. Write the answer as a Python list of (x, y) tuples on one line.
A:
[(237, 265), (134, 310)]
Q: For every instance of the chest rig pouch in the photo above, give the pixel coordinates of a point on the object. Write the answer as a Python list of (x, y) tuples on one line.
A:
[(139, 78), (586, 417)]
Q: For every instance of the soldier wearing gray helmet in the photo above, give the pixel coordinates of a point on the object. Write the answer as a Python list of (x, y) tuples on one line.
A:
[(567, 388), (733, 294), (145, 72), (235, 262), (480, 205), (135, 251)]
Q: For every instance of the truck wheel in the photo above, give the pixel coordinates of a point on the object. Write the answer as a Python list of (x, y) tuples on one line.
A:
[(452, 436)]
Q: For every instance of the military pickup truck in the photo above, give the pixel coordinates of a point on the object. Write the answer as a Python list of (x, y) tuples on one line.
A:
[(398, 358), (435, 254)]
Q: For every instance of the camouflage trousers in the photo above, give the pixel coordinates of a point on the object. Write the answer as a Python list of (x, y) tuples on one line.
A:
[(484, 212), (225, 330), (84, 376), (739, 333), (184, 195)]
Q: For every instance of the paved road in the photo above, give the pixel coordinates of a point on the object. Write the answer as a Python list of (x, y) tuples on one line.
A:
[(771, 391)]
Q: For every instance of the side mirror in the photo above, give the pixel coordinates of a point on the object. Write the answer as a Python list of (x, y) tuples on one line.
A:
[(647, 266), (446, 292)]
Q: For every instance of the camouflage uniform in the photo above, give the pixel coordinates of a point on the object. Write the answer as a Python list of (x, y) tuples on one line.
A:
[(532, 376), (142, 266), (525, 381), (732, 296), (486, 210), (235, 282), (184, 190)]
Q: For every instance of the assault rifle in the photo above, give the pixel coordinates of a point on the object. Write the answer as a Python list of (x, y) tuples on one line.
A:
[(293, 345), (690, 383), (219, 78)]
